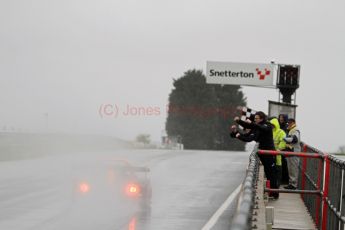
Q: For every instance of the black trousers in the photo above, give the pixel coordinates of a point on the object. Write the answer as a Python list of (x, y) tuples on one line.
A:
[(269, 164), (279, 170)]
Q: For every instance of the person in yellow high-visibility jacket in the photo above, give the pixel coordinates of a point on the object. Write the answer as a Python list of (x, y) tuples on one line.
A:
[(280, 145)]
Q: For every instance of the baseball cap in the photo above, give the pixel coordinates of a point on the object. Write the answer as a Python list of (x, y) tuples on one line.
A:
[(291, 120)]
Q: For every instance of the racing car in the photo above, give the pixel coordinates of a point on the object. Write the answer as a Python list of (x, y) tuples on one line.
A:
[(119, 180)]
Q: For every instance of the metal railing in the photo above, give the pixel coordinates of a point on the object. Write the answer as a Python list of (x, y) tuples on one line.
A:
[(327, 209), (321, 185), (242, 219)]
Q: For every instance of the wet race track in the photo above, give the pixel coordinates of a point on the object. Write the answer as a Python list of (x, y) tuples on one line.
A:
[(77, 191)]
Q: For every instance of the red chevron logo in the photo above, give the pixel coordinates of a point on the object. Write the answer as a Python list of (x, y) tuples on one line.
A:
[(262, 74)]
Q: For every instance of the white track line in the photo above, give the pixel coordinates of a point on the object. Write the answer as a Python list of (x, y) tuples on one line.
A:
[(221, 209)]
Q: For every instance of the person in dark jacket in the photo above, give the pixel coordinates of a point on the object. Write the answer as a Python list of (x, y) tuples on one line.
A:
[(260, 132), (283, 122)]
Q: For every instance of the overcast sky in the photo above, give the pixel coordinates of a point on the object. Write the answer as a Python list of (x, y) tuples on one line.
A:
[(62, 60)]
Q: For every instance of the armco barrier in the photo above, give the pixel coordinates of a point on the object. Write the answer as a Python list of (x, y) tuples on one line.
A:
[(243, 217), (321, 185)]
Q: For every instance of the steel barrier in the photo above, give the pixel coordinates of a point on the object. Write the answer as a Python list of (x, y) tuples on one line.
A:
[(321, 185), (242, 219), (328, 209)]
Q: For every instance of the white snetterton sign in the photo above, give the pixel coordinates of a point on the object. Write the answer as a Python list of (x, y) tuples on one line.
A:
[(231, 73)]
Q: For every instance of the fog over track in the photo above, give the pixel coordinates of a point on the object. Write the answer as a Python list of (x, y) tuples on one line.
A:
[(188, 187)]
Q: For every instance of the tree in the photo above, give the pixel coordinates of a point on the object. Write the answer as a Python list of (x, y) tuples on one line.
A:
[(199, 112), (230, 98)]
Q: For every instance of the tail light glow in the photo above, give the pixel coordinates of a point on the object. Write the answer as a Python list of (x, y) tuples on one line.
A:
[(132, 223), (84, 187), (133, 189)]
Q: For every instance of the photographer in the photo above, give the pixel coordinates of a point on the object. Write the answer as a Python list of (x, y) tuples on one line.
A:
[(260, 132)]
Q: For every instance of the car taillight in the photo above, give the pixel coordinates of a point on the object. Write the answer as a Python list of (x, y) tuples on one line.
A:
[(84, 187), (133, 189)]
